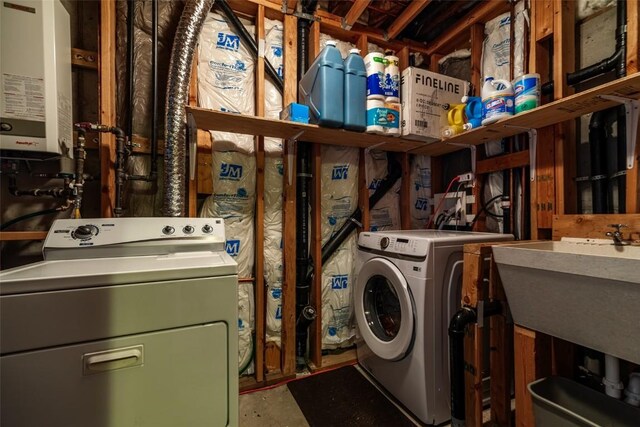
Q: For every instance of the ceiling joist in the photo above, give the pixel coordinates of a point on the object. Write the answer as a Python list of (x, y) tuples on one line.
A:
[(357, 8), (407, 16)]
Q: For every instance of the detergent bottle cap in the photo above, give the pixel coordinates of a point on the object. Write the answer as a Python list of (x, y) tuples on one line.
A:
[(356, 51), (488, 79), (331, 43)]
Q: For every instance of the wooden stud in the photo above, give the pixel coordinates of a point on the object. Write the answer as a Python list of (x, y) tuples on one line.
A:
[(363, 185), (259, 286), (564, 62), (500, 163), (22, 235), (532, 362), (107, 77), (192, 200), (473, 359), (315, 329), (405, 161), (291, 5), (434, 62), (593, 226), (544, 12), (406, 17), (288, 339), (633, 35), (357, 8), (477, 41)]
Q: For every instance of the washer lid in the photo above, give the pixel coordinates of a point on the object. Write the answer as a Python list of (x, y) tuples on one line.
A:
[(384, 309)]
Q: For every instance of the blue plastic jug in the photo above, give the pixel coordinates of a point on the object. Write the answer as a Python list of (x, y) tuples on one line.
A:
[(322, 88), (355, 92)]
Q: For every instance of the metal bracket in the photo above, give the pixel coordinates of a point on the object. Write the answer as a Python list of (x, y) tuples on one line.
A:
[(290, 157), (632, 113), (473, 149), (533, 148), (192, 132)]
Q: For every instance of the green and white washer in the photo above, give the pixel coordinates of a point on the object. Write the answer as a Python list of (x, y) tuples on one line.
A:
[(126, 322)]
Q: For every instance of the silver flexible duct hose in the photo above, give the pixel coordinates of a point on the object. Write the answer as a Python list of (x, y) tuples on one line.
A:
[(184, 44)]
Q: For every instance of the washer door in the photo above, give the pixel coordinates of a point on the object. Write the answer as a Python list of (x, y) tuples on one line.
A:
[(384, 309)]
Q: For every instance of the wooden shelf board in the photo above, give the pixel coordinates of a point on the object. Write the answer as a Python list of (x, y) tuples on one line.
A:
[(22, 235), (550, 114), (251, 125)]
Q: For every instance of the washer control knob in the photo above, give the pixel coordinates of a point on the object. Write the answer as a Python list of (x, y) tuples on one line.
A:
[(84, 232), (384, 243), (168, 230), (188, 229), (207, 229)]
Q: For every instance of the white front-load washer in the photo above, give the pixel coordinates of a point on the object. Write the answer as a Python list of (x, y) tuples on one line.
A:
[(407, 289), (127, 321)]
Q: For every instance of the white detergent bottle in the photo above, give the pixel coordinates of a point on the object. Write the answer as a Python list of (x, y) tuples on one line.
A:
[(497, 100)]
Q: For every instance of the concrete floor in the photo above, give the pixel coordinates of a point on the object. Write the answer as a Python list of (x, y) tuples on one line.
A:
[(277, 408)]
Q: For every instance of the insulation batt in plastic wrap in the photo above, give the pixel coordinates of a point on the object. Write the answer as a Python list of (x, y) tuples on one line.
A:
[(274, 314), (586, 8), (234, 183), (497, 48), (338, 279), (226, 78), (339, 182), (420, 191), (274, 53), (246, 325), (385, 215)]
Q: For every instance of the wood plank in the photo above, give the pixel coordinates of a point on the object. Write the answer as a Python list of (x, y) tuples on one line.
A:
[(633, 36), (288, 340), (531, 362), (593, 226), (84, 58), (460, 30), (22, 235), (544, 12), (549, 114), (314, 41), (473, 360), (564, 62), (315, 329), (477, 41), (434, 62), (363, 190), (545, 178), (260, 287), (292, 5), (472, 290), (107, 99), (501, 355), (500, 163), (410, 12), (272, 358), (356, 10), (205, 178), (335, 360), (405, 192), (251, 125)]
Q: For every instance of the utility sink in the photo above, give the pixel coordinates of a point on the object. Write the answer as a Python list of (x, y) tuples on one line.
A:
[(585, 291)]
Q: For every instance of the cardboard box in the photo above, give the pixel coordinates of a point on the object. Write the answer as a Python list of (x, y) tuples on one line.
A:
[(426, 98)]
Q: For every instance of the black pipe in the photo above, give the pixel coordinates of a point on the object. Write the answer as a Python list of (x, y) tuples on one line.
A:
[(598, 156), (304, 312), (153, 173), (459, 322), (32, 215), (251, 44), (622, 160)]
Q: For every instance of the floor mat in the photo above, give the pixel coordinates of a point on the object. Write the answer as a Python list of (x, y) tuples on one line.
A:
[(345, 398)]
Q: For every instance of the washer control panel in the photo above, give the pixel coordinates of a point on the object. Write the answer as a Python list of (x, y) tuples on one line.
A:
[(78, 233), (394, 244)]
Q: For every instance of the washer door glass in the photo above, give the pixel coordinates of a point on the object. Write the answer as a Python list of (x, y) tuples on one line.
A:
[(384, 309)]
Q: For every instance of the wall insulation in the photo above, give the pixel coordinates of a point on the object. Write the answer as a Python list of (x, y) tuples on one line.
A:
[(385, 215), (339, 181)]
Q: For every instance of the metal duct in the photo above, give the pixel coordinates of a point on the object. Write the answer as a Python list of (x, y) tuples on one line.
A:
[(191, 21)]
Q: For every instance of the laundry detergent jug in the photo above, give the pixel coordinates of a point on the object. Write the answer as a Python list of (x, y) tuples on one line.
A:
[(455, 118), (322, 88), (472, 111), (355, 92), (497, 100)]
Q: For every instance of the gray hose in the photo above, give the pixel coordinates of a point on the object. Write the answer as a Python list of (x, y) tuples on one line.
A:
[(191, 22)]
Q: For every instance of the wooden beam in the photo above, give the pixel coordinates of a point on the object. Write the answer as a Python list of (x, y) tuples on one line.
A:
[(291, 5), (405, 161), (633, 36), (593, 226), (486, 11), (357, 8), (544, 11), (259, 286), (84, 59), (477, 41), (363, 185), (500, 163), (107, 77), (22, 235), (531, 362), (408, 14), (288, 340)]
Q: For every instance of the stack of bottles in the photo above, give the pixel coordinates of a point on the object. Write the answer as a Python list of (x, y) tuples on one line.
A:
[(335, 90), (462, 117), (383, 96)]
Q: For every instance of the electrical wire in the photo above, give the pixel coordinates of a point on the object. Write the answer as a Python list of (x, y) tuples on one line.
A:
[(457, 178), (484, 209), (29, 215)]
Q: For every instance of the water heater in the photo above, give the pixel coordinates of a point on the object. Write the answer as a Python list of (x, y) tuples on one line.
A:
[(35, 106)]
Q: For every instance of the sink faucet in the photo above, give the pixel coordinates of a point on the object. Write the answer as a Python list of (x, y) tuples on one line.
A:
[(617, 235)]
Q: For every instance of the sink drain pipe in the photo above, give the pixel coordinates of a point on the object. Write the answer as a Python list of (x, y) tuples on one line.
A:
[(457, 326)]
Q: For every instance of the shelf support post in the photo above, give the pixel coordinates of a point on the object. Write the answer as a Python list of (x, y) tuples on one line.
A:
[(632, 113)]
